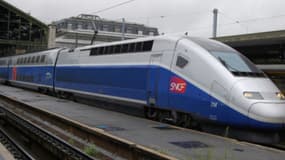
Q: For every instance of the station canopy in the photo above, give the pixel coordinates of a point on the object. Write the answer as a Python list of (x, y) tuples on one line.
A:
[(20, 32)]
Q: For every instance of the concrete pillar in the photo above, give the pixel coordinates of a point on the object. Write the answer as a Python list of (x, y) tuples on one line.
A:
[(215, 22), (51, 36)]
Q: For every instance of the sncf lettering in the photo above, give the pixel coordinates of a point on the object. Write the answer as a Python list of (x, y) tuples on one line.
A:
[(177, 85)]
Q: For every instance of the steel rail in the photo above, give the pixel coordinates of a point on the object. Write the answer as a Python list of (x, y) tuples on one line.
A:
[(14, 148), (55, 144)]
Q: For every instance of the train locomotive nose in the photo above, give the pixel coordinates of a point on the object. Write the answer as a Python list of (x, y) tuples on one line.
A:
[(272, 115)]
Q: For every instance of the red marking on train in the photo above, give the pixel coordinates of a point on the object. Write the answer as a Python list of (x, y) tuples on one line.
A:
[(14, 73), (177, 85)]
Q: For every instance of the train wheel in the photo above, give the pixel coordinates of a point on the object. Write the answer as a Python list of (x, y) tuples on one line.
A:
[(186, 121), (152, 113), (162, 116)]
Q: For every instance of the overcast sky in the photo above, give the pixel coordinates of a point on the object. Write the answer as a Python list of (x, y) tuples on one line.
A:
[(171, 16)]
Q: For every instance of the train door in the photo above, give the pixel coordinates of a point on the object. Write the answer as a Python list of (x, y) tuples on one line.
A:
[(153, 79), (215, 105)]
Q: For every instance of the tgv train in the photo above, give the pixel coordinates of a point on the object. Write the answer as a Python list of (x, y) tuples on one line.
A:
[(184, 78)]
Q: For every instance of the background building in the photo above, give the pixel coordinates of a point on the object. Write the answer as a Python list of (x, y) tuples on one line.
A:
[(20, 32), (78, 31)]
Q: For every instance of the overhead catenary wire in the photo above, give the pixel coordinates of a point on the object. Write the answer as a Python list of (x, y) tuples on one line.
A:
[(235, 21), (113, 6)]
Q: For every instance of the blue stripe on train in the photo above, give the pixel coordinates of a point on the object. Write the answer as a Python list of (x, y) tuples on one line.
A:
[(138, 82), (34, 74), (4, 73), (144, 81)]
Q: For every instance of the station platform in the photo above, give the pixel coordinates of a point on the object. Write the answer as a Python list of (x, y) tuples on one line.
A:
[(184, 144), (5, 154)]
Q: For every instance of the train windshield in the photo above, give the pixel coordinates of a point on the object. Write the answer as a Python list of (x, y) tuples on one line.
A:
[(235, 62)]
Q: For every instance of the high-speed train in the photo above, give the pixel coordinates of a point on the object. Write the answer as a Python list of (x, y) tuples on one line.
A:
[(188, 79)]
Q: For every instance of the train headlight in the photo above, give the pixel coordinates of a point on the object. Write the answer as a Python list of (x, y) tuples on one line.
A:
[(280, 95), (252, 95)]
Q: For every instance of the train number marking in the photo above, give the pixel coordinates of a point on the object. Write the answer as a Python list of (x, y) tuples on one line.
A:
[(177, 85)]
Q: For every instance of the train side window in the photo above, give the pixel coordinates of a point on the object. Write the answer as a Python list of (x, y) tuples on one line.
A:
[(38, 59), (25, 59), (111, 49), (21, 60), (29, 60), (139, 47), (43, 57), (106, 49), (147, 45), (117, 49), (33, 59), (125, 48), (181, 62), (132, 47), (100, 51), (94, 51), (18, 59), (103, 50)]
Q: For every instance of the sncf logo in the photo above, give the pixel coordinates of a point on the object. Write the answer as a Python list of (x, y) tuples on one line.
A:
[(14, 73), (177, 85)]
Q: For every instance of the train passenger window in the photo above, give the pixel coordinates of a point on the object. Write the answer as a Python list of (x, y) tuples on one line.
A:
[(100, 51), (132, 47), (139, 46), (25, 60), (29, 60), (111, 49), (18, 61), (147, 45), (38, 59), (94, 51), (105, 50), (125, 48), (43, 57), (181, 62), (122, 48), (33, 59), (117, 49)]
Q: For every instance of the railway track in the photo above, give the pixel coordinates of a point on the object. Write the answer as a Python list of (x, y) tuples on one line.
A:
[(54, 145), (76, 134), (14, 148)]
